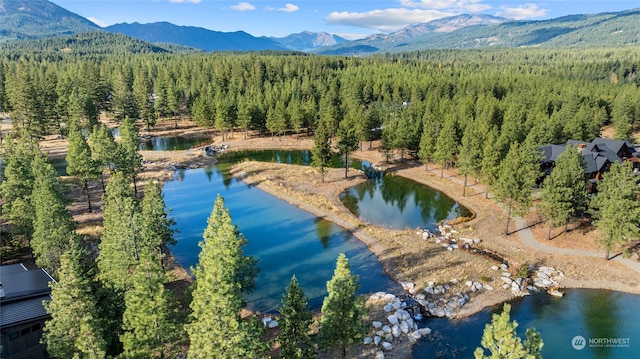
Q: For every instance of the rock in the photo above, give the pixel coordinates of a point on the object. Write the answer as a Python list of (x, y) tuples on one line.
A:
[(379, 333), (380, 355), (266, 320), (377, 340), (387, 346), (454, 281), (440, 313), (416, 335), (506, 274), (397, 305), (556, 293), (477, 241), (386, 329), (392, 319), (396, 331), (477, 285), (367, 341), (506, 286), (388, 337), (403, 314), (407, 285), (504, 267), (430, 284), (488, 287), (404, 327), (421, 297), (507, 280), (468, 283), (272, 324), (389, 297), (431, 305), (429, 290), (424, 331), (388, 308), (494, 267), (376, 324)]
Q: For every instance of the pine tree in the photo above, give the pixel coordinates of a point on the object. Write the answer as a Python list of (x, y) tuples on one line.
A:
[(80, 164), (103, 147), (149, 320), (347, 142), (128, 159), (490, 166), (75, 329), (517, 175), (222, 275), (343, 311), (153, 221), (501, 340), (447, 143), (616, 207), (295, 322), (321, 152), (563, 194), (53, 226), (120, 241), (17, 186)]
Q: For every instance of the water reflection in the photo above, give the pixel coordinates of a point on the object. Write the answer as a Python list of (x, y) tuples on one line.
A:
[(171, 143), (590, 313), (285, 239), (398, 202)]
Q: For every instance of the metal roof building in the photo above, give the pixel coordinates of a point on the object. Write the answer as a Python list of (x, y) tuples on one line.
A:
[(22, 314)]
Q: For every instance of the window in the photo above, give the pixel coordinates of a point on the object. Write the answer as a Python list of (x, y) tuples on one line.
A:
[(14, 336), (35, 327), (25, 331)]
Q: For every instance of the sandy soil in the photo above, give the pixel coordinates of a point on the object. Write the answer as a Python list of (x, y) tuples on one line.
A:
[(404, 256)]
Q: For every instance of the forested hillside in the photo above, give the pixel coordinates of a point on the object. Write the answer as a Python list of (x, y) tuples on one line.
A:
[(486, 112)]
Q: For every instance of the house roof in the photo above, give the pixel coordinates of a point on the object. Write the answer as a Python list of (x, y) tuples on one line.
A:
[(615, 145), (550, 153), (22, 292)]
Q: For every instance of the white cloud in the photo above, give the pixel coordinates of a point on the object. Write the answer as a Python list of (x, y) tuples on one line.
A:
[(459, 5), (97, 21), (525, 11), (184, 1), (289, 8), (243, 6), (387, 19)]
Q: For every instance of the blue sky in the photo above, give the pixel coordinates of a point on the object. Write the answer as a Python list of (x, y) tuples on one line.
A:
[(350, 19)]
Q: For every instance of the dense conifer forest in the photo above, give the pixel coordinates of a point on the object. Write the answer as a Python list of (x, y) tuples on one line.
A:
[(484, 111)]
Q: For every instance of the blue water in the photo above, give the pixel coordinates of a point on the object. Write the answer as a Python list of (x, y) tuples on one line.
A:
[(589, 313), (171, 143), (285, 239), (397, 202)]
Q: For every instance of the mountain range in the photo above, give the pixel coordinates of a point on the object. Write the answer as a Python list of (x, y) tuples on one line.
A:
[(36, 19)]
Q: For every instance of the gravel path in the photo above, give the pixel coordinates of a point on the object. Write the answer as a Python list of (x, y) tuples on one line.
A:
[(526, 236)]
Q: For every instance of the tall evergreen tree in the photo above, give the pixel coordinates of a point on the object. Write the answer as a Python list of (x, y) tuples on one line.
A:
[(80, 164), (347, 142), (616, 207), (153, 221), (564, 194), (295, 322), (103, 147), (120, 241), (321, 151), (500, 339), (149, 320), (447, 143), (128, 159), (222, 275), (343, 311), (75, 330), (490, 165), (17, 186), (53, 226), (517, 175)]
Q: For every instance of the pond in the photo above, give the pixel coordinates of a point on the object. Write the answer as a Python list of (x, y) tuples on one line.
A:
[(285, 239), (599, 316), (174, 143), (397, 202)]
